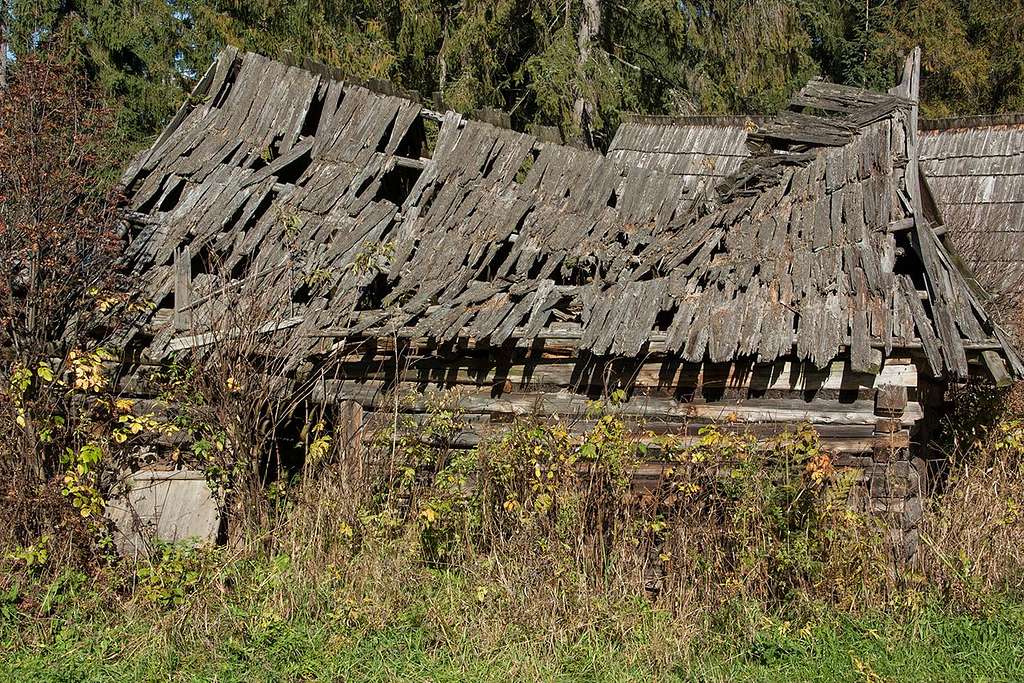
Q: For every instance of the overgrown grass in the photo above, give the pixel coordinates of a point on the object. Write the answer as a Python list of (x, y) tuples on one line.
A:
[(264, 621), (542, 569), (535, 556)]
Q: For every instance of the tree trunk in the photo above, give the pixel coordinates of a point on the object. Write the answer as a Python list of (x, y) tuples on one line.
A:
[(3, 44), (590, 27)]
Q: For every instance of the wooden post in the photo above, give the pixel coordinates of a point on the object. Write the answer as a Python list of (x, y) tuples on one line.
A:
[(890, 404), (894, 484), (182, 288), (350, 423)]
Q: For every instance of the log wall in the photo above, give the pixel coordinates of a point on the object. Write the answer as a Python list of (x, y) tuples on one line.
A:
[(876, 426)]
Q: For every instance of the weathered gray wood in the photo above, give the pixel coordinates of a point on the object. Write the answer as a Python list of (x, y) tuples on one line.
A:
[(475, 248), (375, 396), (182, 289)]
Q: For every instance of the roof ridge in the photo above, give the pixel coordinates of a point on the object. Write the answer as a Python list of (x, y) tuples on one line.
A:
[(972, 121), (695, 119)]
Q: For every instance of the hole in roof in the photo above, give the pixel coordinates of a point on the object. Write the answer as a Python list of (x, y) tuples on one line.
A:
[(256, 162), (428, 197), (293, 170), (225, 158), (239, 270), (489, 166), (311, 123), (372, 295), (576, 270), (148, 205), (490, 271), (431, 131), (414, 143), (173, 197), (907, 261), (229, 83), (663, 320), (537, 266), (201, 261), (524, 168), (499, 258), (385, 136), (261, 158), (613, 199), (303, 295), (230, 230), (396, 184), (167, 301)]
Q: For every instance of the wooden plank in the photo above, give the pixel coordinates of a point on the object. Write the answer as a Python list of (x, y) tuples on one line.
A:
[(183, 288), (205, 339), (997, 368), (929, 341)]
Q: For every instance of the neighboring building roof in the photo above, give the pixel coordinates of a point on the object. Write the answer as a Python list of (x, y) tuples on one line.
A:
[(312, 194), (975, 167), (704, 150)]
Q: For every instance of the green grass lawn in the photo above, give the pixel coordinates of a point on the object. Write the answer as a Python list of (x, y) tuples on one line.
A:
[(439, 630)]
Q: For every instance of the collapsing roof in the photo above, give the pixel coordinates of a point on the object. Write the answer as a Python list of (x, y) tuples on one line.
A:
[(975, 166), (329, 195)]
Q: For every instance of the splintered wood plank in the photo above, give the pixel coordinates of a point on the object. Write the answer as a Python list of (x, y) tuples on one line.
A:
[(929, 341), (182, 288)]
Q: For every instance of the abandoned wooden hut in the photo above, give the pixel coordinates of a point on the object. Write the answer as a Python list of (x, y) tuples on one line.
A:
[(975, 167), (399, 248)]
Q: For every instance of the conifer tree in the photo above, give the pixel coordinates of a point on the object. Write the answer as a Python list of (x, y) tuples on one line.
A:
[(575, 64)]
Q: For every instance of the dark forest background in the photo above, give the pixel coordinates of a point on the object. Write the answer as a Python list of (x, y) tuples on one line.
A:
[(575, 64)]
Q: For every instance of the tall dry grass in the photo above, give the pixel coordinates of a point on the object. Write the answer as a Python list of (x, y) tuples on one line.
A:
[(973, 527)]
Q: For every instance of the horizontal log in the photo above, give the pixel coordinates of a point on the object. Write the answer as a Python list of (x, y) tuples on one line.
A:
[(783, 376), (374, 396)]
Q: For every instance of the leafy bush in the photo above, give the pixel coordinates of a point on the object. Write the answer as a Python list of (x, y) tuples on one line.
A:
[(173, 572)]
